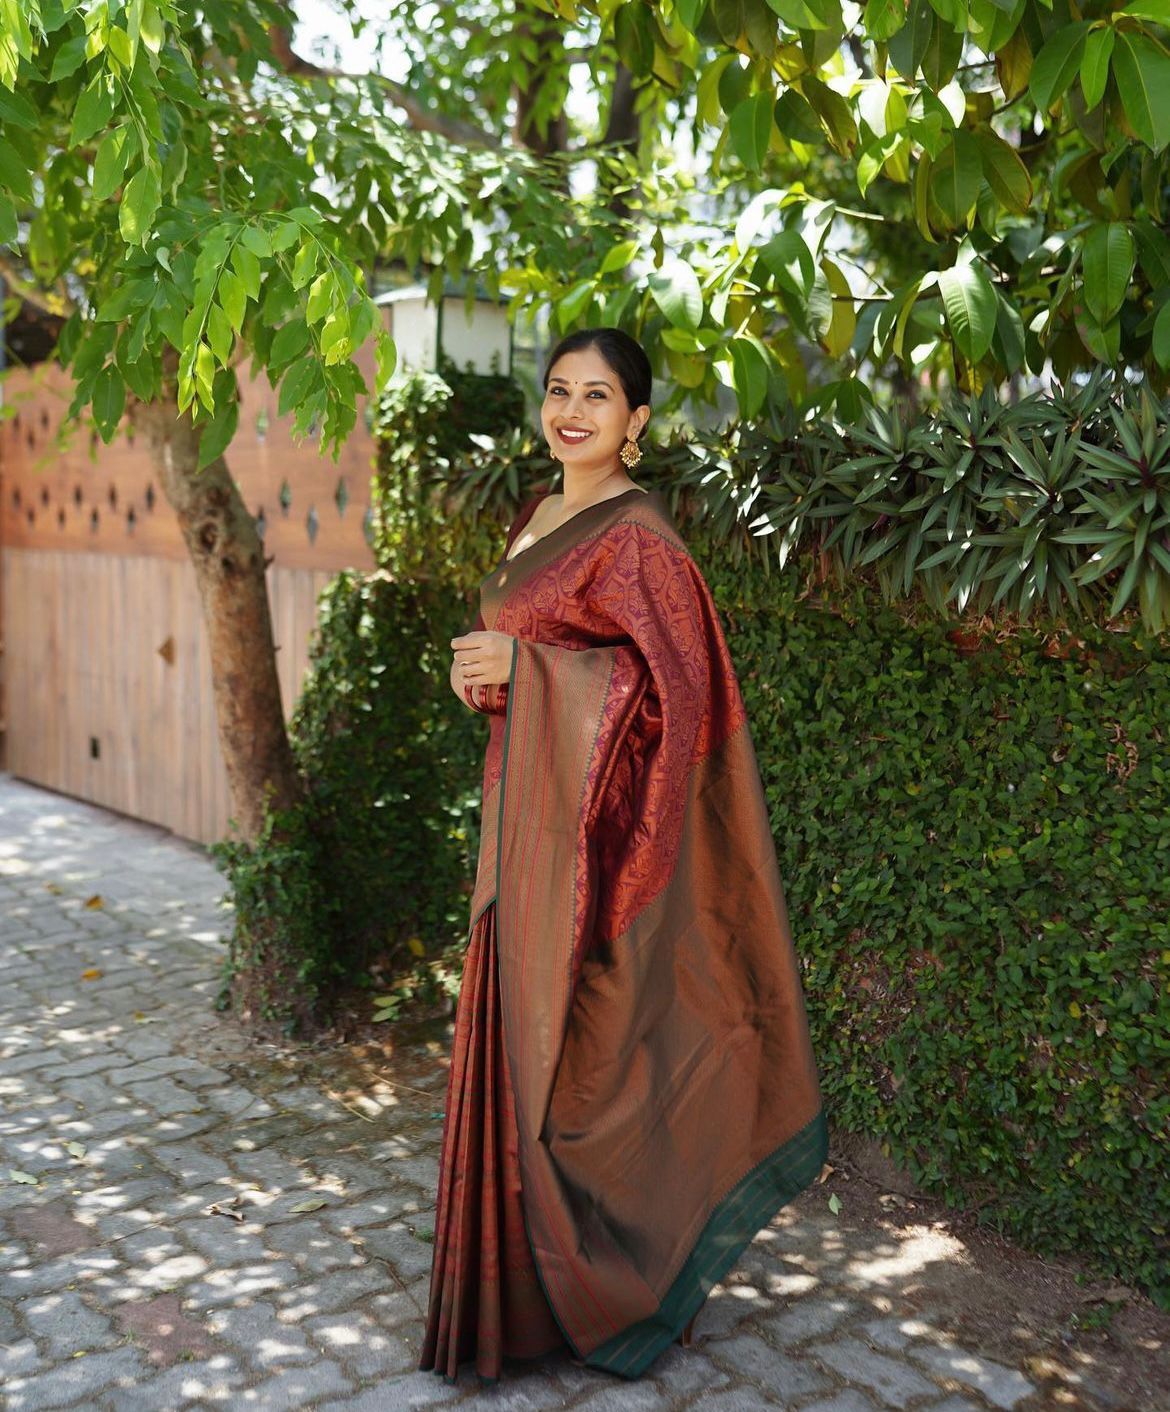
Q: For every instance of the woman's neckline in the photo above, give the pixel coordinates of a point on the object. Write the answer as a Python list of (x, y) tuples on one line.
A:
[(633, 490)]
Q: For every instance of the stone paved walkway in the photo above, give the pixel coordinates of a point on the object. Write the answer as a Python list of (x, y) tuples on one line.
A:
[(185, 1222)]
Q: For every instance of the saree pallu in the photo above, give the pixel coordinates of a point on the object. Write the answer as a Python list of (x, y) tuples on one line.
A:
[(633, 1092)]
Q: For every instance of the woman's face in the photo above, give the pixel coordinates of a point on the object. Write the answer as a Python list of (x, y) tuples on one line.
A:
[(585, 416)]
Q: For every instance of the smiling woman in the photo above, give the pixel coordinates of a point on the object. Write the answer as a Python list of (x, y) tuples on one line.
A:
[(632, 1091)]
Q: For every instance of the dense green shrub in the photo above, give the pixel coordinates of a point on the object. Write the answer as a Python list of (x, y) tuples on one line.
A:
[(974, 834)]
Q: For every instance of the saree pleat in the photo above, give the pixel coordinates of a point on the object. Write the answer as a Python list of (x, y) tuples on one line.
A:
[(485, 1297)]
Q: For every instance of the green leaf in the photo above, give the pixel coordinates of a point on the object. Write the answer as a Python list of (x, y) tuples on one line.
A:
[(289, 342), (134, 294), (94, 110), (17, 111), (751, 127), (233, 298), (140, 202), (1056, 64), (247, 266), (305, 264), (14, 173), (795, 118), (1102, 340), (908, 46), (834, 112), (790, 262), (109, 166), (1095, 65), (1161, 338), (843, 318), (8, 225), (151, 29), (1107, 262), (295, 384), (796, 14), (749, 374), (217, 434), (971, 307), (1005, 172), (219, 333), (387, 357), (618, 257), (1156, 11), (68, 59), (883, 19), (955, 179), (676, 291), (259, 243), (572, 305), (1142, 72), (320, 297), (335, 339), (109, 401)]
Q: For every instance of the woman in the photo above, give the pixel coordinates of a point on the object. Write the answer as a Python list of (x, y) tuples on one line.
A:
[(632, 1092)]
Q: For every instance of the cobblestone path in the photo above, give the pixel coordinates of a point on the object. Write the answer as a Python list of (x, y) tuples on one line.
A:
[(183, 1224)]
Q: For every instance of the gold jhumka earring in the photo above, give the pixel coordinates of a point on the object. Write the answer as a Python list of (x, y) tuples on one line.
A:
[(631, 454)]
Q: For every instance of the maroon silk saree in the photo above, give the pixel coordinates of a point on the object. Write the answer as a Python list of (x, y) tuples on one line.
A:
[(633, 1092)]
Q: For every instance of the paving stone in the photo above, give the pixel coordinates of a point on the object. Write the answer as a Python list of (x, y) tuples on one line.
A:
[(810, 1316), (298, 1387), (158, 1066), (728, 1307), (18, 1358), (848, 1401), (375, 1210), (680, 1372), (400, 1395), (269, 1342), (214, 1382), (749, 1356), (302, 1297), (66, 1325), (362, 1347), (104, 1062), (735, 1399), (408, 1254), (1001, 1386), (49, 1276), (895, 1382), (625, 1396), (73, 1379), (220, 1287)]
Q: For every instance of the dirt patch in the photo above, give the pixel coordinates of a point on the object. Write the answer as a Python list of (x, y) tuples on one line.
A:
[(1089, 1343)]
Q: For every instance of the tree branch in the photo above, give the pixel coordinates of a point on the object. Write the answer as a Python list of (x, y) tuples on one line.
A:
[(419, 118), (59, 308)]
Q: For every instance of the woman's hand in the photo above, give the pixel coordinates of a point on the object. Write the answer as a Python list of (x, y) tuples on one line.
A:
[(483, 658)]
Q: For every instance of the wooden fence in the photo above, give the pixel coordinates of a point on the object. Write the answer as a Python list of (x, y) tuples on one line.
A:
[(105, 680)]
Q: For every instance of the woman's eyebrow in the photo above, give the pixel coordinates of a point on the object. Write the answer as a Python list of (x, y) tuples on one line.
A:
[(594, 382)]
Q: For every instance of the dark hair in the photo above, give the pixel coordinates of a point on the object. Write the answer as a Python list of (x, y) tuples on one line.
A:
[(625, 355)]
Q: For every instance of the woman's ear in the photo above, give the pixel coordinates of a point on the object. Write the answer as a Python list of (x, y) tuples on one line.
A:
[(637, 423)]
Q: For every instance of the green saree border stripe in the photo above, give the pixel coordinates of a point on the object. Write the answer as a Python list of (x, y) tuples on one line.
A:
[(750, 1204)]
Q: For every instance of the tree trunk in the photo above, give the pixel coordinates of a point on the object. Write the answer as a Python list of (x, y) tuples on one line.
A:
[(266, 980), (228, 556), (623, 129)]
